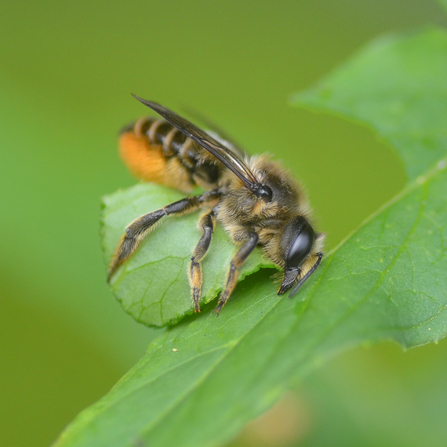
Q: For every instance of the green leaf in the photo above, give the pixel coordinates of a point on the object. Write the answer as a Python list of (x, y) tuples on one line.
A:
[(152, 285), (398, 87), (201, 380)]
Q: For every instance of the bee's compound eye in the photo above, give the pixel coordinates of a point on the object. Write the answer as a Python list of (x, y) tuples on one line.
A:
[(301, 247)]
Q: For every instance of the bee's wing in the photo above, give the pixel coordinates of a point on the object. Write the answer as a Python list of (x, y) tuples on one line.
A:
[(225, 155), (217, 133)]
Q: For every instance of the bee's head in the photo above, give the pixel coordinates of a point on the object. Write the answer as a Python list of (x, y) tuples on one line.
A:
[(298, 243)]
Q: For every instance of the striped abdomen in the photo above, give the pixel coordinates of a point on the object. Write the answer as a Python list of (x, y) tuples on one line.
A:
[(158, 152)]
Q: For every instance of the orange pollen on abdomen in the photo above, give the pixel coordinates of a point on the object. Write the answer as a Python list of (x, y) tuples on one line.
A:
[(147, 162), (144, 160)]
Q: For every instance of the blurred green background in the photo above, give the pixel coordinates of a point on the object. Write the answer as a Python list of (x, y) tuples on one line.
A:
[(66, 73)]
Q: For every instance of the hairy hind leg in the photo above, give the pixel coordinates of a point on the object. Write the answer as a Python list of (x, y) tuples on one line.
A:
[(140, 227)]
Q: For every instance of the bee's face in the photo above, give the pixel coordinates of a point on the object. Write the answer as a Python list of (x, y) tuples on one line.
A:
[(302, 253)]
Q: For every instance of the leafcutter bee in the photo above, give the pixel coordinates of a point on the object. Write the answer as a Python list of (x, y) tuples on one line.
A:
[(255, 200)]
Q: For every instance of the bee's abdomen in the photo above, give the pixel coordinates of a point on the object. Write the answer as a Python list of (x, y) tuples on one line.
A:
[(156, 151)]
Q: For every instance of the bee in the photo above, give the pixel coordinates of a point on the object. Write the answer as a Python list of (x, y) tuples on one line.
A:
[(255, 200)]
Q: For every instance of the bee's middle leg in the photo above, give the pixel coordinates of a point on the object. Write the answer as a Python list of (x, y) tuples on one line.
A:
[(207, 223), (233, 273)]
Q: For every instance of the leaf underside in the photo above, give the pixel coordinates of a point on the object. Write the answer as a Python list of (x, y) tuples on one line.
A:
[(201, 380)]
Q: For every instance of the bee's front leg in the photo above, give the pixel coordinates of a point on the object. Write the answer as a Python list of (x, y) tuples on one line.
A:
[(207, 223), (318, 257), (233, 273)]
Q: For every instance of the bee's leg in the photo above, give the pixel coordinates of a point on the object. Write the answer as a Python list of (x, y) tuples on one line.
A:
[(207, 223), (319, 257), (140, 227), (233, 272), (291, 276)]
